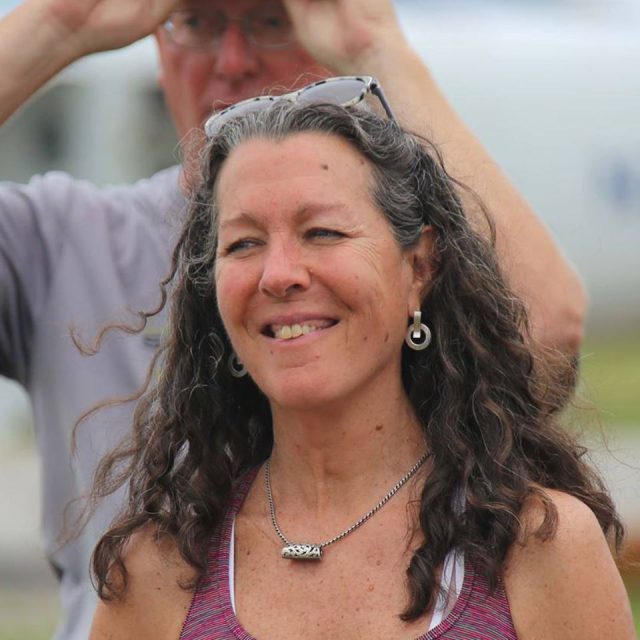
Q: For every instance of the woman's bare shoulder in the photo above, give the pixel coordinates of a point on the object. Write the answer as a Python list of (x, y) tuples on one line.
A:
[(567, 586), (155, 602)]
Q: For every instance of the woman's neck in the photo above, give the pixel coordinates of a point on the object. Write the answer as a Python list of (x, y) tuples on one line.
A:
[(343, 457)]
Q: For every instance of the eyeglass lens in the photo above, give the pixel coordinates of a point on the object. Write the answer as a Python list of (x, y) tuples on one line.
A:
[(203, 27)]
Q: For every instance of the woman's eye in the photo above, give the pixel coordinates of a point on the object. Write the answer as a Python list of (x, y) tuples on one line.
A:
[(239, 246), (321, 233)]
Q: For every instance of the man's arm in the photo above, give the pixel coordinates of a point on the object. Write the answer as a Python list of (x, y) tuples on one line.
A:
[(41, 37), (38, 39), (364, 36)]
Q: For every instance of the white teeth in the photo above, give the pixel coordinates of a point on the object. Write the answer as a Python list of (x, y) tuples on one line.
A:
[(288, 332)]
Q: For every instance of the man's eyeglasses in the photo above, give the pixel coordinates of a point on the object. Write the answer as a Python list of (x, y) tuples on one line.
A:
[(344, 91), (203, 27)]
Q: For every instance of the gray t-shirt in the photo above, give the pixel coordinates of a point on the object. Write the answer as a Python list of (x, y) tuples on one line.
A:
[(72, 254)]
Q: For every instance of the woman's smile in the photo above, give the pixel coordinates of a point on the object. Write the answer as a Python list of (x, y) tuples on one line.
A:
[(295, 327), (313, 288)]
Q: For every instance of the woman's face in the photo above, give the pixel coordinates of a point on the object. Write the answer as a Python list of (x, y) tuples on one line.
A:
[(314, 291)]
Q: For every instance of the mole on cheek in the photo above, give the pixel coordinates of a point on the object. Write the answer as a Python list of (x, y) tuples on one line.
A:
[(325, 167)]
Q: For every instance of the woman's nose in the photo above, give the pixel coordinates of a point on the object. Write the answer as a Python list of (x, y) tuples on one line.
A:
[(284, 271)]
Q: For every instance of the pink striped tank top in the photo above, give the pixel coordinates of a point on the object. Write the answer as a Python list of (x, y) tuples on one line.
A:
[(476, 615)]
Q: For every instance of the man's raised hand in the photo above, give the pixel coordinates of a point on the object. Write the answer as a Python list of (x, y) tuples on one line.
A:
[(342, 34), (99, 25)]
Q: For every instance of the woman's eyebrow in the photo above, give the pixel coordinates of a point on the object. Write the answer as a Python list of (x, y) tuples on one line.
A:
[(302, 213), (306, 211), (243, 218)]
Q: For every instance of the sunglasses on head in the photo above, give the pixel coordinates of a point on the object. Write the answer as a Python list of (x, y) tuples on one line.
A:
[(344, 91)]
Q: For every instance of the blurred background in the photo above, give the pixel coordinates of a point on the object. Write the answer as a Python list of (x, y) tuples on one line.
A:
[(551, 87)]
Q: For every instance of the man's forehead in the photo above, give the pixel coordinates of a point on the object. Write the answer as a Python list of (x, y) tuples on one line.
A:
[(234, 6)]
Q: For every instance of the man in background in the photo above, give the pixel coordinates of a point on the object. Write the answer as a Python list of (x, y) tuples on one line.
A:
[(72, 254)]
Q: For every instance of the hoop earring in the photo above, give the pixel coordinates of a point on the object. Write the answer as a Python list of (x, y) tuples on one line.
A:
[(236, 368), (413, 338)]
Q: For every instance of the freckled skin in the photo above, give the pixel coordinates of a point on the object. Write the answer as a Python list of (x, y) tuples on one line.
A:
[(353, 273)]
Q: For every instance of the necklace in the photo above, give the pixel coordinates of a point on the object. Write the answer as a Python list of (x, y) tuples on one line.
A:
[(309, 551)]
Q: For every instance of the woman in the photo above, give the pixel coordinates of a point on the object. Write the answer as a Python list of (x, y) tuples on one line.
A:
[(348, 436)]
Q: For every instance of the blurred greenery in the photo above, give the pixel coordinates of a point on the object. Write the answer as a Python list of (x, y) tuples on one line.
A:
[(39, 632), (610, 379), (27, 614), (634, 594)]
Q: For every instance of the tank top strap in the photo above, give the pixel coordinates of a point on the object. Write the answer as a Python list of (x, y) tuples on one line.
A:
[(240, 491), (210, 615), (478, 614)]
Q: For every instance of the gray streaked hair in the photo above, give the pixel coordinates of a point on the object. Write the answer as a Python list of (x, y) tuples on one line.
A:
[(487, 407), (394, 155)]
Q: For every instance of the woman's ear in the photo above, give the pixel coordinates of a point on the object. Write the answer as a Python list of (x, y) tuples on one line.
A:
[(421, 259)]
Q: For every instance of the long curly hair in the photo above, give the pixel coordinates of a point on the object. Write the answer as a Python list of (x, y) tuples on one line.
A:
[(487, 407)]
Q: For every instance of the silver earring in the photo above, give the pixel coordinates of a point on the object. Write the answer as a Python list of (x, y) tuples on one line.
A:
[(236, 368), (414, 339)]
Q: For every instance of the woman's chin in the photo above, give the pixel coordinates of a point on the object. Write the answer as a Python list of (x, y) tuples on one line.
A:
[(298, 392)]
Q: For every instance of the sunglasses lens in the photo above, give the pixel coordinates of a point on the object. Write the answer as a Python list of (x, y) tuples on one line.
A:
[(215, 122), (343, 92)]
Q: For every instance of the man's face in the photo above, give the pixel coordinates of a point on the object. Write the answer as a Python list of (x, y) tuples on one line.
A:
[(196, 82)]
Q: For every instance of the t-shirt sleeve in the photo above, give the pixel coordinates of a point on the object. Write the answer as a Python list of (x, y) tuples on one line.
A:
[(32, 229), (63, 241)]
